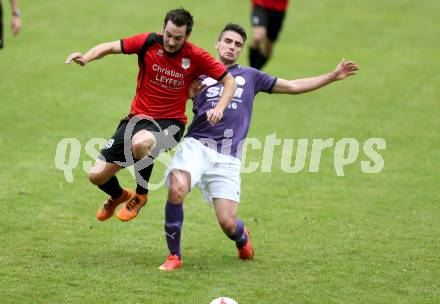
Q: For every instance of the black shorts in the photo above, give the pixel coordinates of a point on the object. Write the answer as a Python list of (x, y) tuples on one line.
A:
[(168, 133), (271, 20)]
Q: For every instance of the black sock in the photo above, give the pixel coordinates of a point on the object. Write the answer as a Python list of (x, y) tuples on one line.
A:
[(112, 187), (145, 174), (256, 58)]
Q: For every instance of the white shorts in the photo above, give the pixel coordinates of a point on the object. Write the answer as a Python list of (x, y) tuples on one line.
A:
[(217, 175)]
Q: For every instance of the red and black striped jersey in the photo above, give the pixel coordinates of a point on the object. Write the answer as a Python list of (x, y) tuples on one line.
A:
[(163, 78), (275, 5)]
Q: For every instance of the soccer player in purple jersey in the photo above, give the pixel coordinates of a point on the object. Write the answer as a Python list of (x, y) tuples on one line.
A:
[(210, 154)]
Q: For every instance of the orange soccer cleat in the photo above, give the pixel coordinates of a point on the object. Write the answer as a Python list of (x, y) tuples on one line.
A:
[(246, 252), (173, 262), (131, 209), (108, 208)]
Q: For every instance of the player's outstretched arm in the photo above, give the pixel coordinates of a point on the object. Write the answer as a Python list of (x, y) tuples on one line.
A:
[(214, 115), (95, 53), (343, 70)]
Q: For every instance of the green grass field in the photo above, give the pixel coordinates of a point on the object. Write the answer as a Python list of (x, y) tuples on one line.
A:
[(319, 238)]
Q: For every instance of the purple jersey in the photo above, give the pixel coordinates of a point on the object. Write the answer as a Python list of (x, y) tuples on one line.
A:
[(228, 135)]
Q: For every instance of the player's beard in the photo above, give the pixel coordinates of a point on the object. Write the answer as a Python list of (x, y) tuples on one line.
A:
[(226, 61), (170, 50)]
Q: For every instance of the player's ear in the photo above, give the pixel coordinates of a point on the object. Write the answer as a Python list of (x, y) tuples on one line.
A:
[(217, 44), (187, 36)]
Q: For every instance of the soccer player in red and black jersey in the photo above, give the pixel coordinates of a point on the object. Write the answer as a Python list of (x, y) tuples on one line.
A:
[(168, 63), (267, 20)]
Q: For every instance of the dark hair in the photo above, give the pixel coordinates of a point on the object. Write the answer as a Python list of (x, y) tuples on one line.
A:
[(234, 28), (180, 17)]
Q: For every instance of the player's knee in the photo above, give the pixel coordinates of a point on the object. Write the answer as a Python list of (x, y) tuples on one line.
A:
[(97, 178), (258, 36), (257, 41), (177, 191), (142, 145)]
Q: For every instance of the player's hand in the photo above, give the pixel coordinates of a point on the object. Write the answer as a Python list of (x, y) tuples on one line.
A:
[(15, 25), (214, 116), (76, 57), (195, 87), (344, 69)]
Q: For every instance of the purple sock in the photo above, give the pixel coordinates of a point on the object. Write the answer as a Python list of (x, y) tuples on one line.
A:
[(173, 226), (239, 236)]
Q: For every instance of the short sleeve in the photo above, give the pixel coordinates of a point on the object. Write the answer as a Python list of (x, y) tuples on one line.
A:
[(133, 44), (209, 66), (264, 82)]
